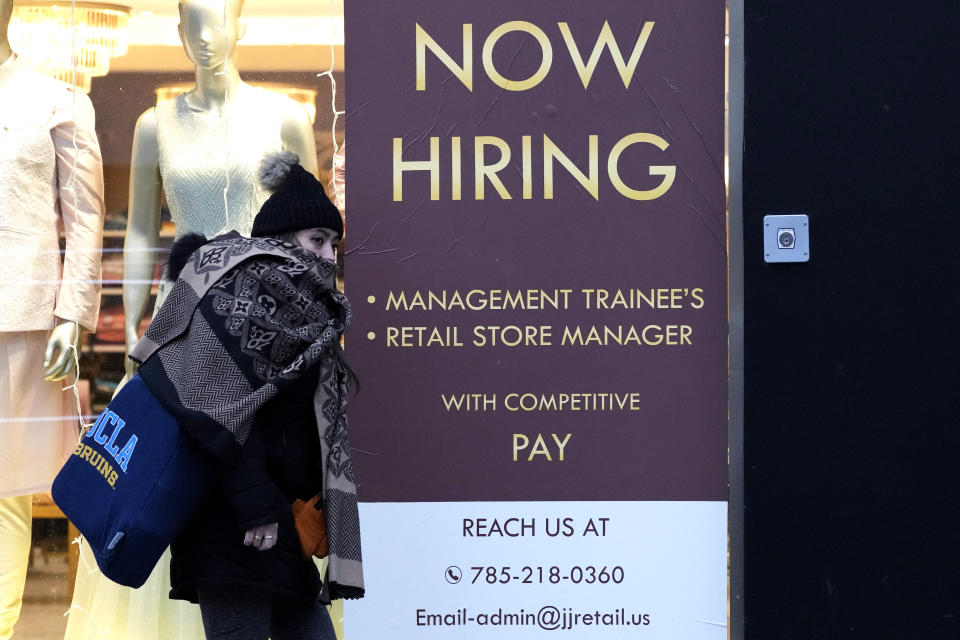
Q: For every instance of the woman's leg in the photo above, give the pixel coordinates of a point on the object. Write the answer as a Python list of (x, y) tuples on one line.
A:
[(296, 620), (234, 613)]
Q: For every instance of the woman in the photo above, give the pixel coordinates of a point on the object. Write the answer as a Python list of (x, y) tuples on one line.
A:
[(254, 371), (201, 151)]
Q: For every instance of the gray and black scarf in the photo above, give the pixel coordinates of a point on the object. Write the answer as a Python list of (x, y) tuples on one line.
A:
[(244, 320)]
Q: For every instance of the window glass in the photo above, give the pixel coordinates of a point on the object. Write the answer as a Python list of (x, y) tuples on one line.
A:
[(192, 161)]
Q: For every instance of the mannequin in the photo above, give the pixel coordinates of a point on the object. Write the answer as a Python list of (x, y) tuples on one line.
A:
[(52, 176), (203, 149), (210, 43)]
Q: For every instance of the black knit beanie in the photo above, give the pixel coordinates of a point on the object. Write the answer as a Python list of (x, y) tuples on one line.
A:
[(298, 200)]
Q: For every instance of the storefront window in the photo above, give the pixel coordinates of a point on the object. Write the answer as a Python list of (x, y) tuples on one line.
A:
[(131, 62)]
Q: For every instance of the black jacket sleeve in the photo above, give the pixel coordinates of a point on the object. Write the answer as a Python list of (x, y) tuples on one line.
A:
[(248, 489)]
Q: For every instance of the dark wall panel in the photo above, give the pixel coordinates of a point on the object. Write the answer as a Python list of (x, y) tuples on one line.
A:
[(852, 436)]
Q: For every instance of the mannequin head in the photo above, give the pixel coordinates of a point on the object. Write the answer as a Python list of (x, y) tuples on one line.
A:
[(209, 30)]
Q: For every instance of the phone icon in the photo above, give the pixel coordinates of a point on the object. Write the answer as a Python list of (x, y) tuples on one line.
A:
[(453, 574)]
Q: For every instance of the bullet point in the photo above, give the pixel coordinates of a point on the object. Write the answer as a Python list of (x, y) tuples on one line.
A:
[(371, 299), (371, 336)]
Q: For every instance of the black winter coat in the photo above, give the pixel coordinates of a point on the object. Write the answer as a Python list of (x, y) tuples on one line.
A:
[(279, 463)]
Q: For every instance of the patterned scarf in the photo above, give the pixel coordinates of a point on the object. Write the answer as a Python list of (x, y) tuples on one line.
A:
[(244, 320)]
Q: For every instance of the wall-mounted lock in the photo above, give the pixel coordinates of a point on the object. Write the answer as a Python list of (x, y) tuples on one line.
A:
[(786, 238)]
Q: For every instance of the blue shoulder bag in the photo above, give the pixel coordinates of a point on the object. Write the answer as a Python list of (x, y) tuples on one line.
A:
[(132, 484)]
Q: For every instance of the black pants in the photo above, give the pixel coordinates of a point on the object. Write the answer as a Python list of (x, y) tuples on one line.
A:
[(239, 613)]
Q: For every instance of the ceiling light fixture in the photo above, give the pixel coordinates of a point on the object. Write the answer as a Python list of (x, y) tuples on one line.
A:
[(72, 41)]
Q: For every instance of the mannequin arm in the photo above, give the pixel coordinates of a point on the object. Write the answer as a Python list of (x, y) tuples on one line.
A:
[(79, 192), (143, 228), (297, 136), (64, 338)]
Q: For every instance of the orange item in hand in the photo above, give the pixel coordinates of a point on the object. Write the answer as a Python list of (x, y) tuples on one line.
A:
[(311, 527)]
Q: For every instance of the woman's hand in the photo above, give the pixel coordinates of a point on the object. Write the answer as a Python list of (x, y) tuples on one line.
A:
[(262, 537)]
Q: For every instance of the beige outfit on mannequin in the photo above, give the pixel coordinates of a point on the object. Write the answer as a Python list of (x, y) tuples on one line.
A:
[(52, 181), (14, 551)]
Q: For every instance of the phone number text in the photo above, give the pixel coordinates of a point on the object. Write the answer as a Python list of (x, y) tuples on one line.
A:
[(547, 575)]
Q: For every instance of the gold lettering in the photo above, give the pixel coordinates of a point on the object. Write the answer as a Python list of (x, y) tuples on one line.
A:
[(540, 449), (464, 73), (668, 172), (396, 302), (456, 174), (489, 172), (657, 335), (606, 39), (697, 295), (561, 445), (551, 152), (400, 165), (527, 157), (520, 443), (546, 61)]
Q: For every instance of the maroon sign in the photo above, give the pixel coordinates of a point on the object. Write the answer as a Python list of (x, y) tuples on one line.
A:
[(536, 249)]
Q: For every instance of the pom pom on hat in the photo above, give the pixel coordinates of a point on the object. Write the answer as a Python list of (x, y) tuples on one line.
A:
[(298, 201), (275, 169), (180, 254)]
